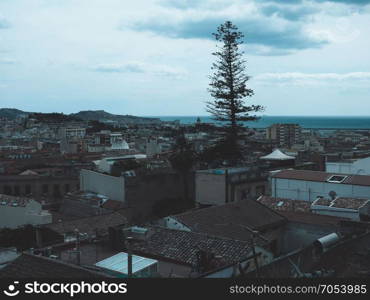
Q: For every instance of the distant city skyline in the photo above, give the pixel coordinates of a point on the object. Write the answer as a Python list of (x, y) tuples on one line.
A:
[(153, 57)]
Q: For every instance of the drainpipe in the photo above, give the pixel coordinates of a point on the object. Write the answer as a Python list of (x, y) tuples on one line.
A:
[(226, 185), (129, 257)]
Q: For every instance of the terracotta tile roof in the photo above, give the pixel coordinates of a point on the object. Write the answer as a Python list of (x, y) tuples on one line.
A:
[(230, 220), (282, 204), (310, 218), (112, 204), (183, 246), (89, 225), (32, 266), (351, 203), (321, 176)]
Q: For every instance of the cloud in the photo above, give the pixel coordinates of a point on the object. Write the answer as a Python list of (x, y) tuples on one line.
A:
[(7, 61), (119, 68), (297, 78), (348, 2), (4, 23), (278, 29), (139, 67), (272, 35), (289, 12)]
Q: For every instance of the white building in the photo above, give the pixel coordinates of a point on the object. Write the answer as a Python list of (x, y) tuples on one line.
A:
[(72, 132), (359, 167), (18, 211), (309, 185), (105, 164)]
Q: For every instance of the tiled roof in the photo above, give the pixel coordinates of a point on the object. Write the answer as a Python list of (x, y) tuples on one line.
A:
[(32, 266), (89, 225), (321, 176), (311, 218), (112, 204), (282, 204), (183, 246), (351, 203), (231, 220)]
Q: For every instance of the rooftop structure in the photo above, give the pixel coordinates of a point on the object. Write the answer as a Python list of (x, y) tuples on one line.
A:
[(32, 266), (277, 154), (118, 265)]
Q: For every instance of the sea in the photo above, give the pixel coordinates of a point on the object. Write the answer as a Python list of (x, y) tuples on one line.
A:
[(308, 122)]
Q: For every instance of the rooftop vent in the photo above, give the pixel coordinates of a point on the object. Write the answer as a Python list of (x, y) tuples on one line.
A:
[(337, 178)]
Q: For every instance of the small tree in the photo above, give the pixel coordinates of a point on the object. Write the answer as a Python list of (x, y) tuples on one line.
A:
[(229, 89)]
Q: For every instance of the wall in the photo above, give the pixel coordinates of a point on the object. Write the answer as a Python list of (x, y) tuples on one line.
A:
[(310, 190), (352, 214), (359, 167), (146, 191), (110, 186), (210, 188), (18, 185), (298, 235)]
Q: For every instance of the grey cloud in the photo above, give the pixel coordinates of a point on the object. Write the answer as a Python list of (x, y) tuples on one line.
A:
[(119, 68), (289, 12), (257, 31), (7, 61), (349, 2)]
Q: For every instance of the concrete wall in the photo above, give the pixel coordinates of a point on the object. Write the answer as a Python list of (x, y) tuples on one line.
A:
[(310, 190), (144, 192), (298, 235), (210, 188), (38, 186), (359, 167), (352, 214), (110, 186), (13, 217)]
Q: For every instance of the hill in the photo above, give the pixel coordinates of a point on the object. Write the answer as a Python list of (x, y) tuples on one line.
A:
[(87, 115)]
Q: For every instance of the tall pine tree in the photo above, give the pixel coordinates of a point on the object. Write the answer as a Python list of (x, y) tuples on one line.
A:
[(229, 89)]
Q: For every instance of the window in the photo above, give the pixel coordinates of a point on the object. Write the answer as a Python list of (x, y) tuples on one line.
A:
[(337, 178), (28, 189), (7, 190), (16, 190), (56, 191), (45, 189)]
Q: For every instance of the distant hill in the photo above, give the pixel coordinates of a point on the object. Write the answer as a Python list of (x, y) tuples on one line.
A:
[(101, 115), (12, 113), (87, 115)]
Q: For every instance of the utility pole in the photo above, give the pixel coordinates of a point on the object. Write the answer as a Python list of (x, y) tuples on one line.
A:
[(129, 256)]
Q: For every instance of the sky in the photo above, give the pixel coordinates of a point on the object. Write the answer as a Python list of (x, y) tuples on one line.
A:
[(154, 57)]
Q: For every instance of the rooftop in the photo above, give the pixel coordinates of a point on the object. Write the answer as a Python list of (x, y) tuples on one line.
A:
[(319, 176), (13, 201), (32, 266), (90, 225), (283, 204), (232, 220), (183, 246), (119, 263)]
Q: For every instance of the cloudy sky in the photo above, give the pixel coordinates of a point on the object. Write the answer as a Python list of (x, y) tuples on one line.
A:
[(153, 57)]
